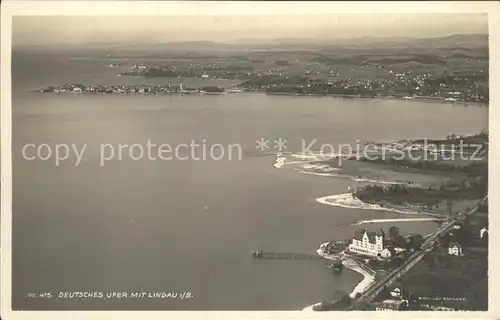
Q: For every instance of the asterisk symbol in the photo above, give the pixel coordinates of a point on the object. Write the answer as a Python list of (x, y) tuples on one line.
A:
[(262, 144), (280, 144)]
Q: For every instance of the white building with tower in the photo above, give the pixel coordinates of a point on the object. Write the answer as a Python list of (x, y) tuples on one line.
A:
[(370, 244)]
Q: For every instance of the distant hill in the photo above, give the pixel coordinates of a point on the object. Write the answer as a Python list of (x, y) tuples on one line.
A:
[(470, 41), (459, 41)]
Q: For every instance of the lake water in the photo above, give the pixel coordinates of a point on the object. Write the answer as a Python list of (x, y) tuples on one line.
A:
[(187, 225)]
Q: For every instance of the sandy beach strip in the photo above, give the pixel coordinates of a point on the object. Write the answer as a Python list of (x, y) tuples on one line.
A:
[(396, 220), (328, 173), (318, 173), (347, 200)]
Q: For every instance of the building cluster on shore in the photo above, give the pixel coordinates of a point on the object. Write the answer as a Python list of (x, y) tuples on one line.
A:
[(135, 89), (436, 90), (407, 85)]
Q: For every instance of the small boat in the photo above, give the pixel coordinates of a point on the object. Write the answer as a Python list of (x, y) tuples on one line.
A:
[(257, 253), (336, 266)]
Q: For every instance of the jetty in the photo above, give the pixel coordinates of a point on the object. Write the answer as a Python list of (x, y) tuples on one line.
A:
[(260, 254)]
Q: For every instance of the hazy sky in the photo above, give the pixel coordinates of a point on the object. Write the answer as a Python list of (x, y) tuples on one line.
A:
[(90, 29)]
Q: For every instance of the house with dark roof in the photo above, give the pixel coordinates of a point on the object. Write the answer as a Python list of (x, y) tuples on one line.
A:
[(396, 293), (455, 249)]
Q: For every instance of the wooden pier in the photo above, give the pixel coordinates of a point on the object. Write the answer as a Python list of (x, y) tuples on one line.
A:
[(259, 254)]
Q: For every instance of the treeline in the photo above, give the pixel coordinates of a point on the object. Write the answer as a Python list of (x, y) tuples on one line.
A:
[(339, 301), (213, 89), (456, 80), (453, 139), (473, 169), (370, 59), (323, 90), (400, 194), (269, 80)]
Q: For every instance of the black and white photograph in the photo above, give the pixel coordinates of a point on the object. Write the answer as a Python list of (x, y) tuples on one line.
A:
[(277, 161)]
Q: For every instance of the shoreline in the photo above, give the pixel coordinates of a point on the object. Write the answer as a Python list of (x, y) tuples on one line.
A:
[(342, 96), (360, 287), (350, 177), (379, 98), (346, 200), (347, 96), (397, 220)]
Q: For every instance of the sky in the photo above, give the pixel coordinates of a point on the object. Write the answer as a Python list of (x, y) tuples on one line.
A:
[(39, 30)]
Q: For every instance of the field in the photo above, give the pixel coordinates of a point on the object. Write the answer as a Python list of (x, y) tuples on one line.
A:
[(440, 276), (459, 282)]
